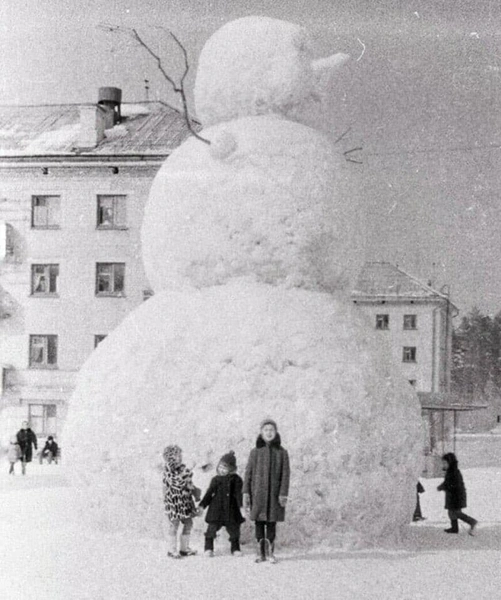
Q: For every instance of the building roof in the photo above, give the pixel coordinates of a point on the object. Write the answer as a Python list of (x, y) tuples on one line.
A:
[(148, 128), (378, 280)]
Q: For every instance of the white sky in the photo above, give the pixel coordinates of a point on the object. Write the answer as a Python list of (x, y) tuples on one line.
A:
[(422, 100)]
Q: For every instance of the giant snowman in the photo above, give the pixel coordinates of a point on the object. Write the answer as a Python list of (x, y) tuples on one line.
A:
[(250, 243)]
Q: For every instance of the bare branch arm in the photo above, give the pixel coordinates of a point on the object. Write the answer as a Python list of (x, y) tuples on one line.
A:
[(178, 89)]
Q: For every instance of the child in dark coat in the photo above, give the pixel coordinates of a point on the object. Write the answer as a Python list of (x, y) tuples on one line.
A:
[(455, 494), (224, 499), (266, 487)]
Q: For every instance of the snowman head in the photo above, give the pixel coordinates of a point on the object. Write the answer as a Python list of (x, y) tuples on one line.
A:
[(261, 66)]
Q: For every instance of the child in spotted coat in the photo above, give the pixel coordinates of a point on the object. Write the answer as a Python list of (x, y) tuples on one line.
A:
[(179, 500)]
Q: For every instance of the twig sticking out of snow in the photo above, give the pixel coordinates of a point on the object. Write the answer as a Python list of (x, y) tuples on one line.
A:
[(178, 89)]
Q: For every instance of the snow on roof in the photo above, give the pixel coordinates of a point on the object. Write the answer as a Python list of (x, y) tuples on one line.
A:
[(384, 279), (148, 128), (134, 110), (54, 140)]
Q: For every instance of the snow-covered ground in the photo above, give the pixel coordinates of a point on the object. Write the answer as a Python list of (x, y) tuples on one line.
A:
[(47, 555)]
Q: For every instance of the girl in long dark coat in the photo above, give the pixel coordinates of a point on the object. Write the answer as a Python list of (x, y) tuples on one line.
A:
[(224, 499), (455, 494), (266, 487)]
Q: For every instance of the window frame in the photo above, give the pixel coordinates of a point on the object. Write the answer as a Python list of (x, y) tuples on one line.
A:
[(409, 354), (385, 321), (33, 418), (113, 225), (47, 339), (47, 267), (413, 317), (113, 279), (47, 225)]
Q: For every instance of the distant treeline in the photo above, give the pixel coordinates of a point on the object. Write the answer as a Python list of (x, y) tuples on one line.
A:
[(476, 358)]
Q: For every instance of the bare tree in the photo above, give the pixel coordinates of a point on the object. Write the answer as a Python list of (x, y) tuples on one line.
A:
[(177, 88)]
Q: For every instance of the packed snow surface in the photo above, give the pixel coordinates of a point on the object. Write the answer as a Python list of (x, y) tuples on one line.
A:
[(200, 369), (53, 141), (48, 554), (278, 206)]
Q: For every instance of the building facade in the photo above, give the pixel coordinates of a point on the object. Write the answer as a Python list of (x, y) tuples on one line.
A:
[(415, 320), (73, 184)]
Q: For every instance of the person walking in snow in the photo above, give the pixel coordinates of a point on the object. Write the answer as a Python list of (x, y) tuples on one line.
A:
[(224, 499), (179, 500), (26, 439), (418, 515), (266, 487), (13, 454), (455, 494)]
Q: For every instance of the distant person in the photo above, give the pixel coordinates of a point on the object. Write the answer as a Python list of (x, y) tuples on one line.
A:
[(266, 487), (418, 515), (224, 499), (26, 439), (49, 451), (455, 494), (13, 454), (179, 501)]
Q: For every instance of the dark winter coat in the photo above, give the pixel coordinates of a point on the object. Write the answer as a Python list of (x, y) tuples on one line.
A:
[(50, 447), (224, 499), (266, 478), (455, 491), (26, 438)]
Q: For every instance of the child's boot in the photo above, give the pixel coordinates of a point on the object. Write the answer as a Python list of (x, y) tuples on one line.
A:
[(185, 547), (235, 548), (261, 551), (172, 552), (453, 528), (270, 551)]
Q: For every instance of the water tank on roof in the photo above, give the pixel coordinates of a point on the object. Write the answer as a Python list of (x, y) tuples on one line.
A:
[(111, 96)]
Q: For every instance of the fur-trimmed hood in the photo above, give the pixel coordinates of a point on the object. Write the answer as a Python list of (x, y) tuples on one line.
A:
[(276, 442)]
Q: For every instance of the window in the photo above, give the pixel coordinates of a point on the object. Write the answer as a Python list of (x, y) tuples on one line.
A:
[(111, 212), (147, 294), (43, 351), (43, 418), (410, 321), (382, 321), (409, 354), (412, 382), (98, 339), (110, 279), (45, 212), (44, 279)]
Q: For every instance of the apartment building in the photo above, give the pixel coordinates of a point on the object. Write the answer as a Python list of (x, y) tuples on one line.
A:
[(73, 184), (414, 318)]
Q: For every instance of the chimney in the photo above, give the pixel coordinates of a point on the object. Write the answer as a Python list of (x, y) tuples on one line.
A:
[(95, 119)]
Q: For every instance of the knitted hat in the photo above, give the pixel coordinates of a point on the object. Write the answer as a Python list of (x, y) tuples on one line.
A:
[(230, 460), (268, 422)]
